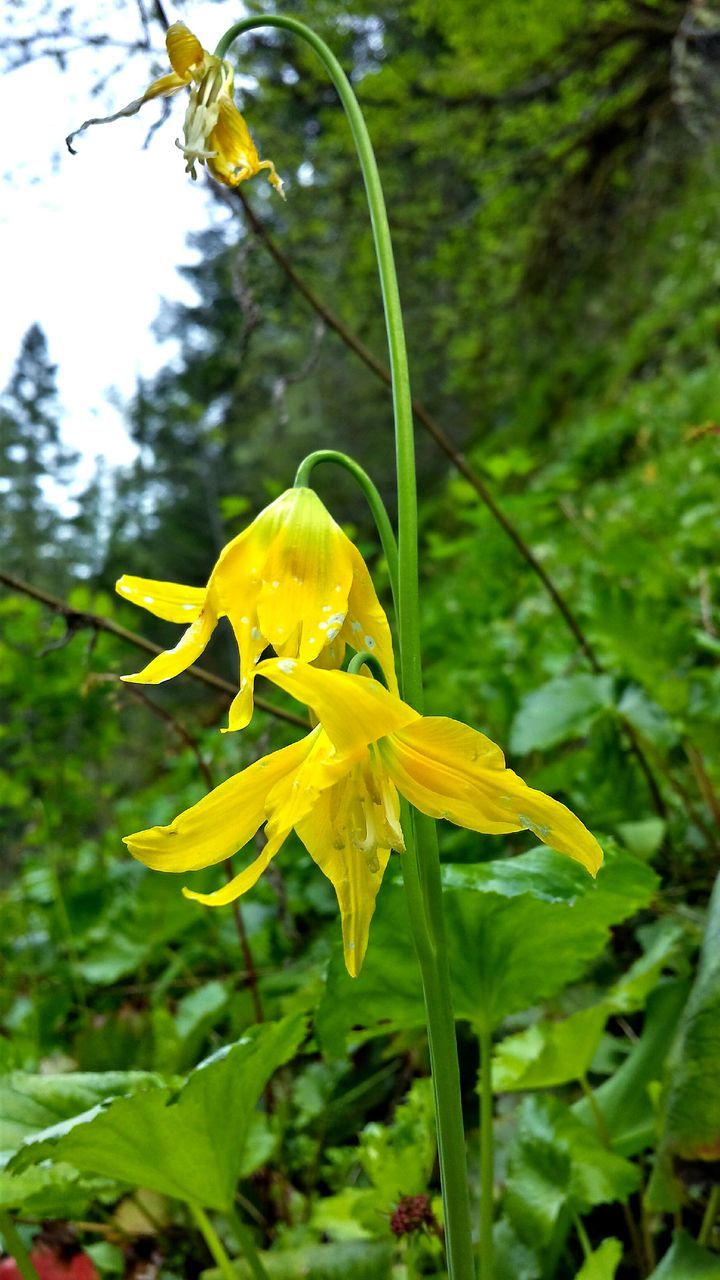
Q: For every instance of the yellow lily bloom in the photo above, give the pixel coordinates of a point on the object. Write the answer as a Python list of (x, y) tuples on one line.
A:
[(339, 788), (292, 580), (215, 133)]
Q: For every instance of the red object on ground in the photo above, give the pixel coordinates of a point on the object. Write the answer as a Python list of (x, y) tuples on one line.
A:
[(50, 1266)]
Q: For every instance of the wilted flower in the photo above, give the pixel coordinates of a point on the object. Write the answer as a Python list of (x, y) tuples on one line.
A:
[(215, 133), (338, 787), (292, 580)]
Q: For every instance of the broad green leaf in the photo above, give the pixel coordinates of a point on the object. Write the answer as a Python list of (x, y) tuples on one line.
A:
[(685, 1260), (512, 1259), (193, 1144), (624, 1099), (51, 1191), (29, 1103), (551, 1053), (517, 932), (603, 1263), (560, 710), (642, 838), (692, 1112), (557, 1162), (346, 1260)]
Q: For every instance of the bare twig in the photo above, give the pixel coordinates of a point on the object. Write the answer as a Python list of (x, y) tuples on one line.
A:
[(80, 618)]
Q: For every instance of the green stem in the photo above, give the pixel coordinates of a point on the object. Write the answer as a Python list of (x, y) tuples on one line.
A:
[(421, 862), (247, 1244), (487, 1159), (582, 1236), (365, 659), (213, 1242), (374, 501), (15, 1247), (710, 1215)]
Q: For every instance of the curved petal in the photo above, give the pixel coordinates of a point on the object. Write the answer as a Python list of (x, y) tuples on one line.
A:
[(184, 51), (222, 822), (353, 710), (366, 625), (239, 884), (161, 88), (355, 876), (187, 650), (236, 154), (250, 642), (321, 769), (164, 87), (307, 575), (448, 770), (169, 600)]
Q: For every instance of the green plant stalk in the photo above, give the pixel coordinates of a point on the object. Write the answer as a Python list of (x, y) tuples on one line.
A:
[(213, 1241), (374, 501), (421, 862), (247, 1244), (487, 1155), (582, 1236), (709, 1216), (15, 1247)]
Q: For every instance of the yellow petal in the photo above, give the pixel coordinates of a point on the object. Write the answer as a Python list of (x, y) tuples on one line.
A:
[(161, 88), (237, 157), (449, 770), (289, 804), (353, 710), (307, 574), (355, 876), (164, 87), (222, 822), (188, 649), (250, 642), (239, 884), (169, 600), (366, 625), (184, 51)]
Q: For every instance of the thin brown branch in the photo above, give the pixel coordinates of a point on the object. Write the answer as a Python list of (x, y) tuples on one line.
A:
[(79, 619), (206, 772)]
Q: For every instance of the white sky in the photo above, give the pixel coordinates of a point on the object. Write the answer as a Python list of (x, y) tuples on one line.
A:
[(90, 243)]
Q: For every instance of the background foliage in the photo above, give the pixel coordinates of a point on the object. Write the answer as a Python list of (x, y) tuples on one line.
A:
[(551, 174)]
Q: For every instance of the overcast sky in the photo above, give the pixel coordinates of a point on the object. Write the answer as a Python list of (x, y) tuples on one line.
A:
[(90, 243)]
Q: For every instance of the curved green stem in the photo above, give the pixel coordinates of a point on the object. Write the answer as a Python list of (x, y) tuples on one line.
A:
[(365, 659), (213, 1242), (15, 1247), (421, 862), (374, 501), (247, 1244)]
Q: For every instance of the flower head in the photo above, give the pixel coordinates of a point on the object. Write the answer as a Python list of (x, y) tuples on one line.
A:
[(292, 580), (339, 788), (215, 133)]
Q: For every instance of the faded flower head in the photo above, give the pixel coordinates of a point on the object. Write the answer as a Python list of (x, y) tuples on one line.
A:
[(215, 133)]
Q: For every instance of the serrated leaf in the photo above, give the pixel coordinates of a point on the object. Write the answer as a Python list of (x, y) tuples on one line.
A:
[(558, 1163), (193, 1144), (559, 711), (29, 1103), (502, 919)]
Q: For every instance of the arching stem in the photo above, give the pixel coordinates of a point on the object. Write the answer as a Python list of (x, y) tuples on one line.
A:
[(421, 863)]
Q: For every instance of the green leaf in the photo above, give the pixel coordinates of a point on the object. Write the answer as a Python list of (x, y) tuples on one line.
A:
[(549, 1054), (560, 710), (398, 1158), (552, 1053), (624, 1099), (29, 1103), (603, 1262), (517, 932), (643, 838), (345, 1260), (558, 1163), (193, 1144), (692, 1112), (685, 1260)]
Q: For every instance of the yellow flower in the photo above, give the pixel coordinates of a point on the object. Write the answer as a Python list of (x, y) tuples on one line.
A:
[(292, 580), (215, 132), (338, 788)]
